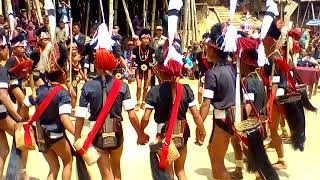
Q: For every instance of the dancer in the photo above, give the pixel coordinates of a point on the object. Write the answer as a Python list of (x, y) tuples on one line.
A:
[(219, 90), (203, 66), (142, 56), (56, 118), (92, 93), (171, 100)]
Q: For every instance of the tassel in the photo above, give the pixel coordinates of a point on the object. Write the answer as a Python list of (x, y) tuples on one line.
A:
[(52, 19), (267, 20), (102, 38), (43, 65), (82, 170), (258, 160), (262, 59), (173, 54), (157, 173), (233, 6), (14, 165), (230, 40)]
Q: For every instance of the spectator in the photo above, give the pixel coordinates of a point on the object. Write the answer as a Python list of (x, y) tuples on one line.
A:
[(127, 54), (31, 38), (193, 57), (159, 39), (136, 41), (79, 38), (61, 35)]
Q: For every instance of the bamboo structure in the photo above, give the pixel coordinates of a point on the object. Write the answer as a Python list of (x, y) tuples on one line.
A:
[(70, 52), (39, 11), (195, 20), (192, 21), (1, 13), (10, 16), (185, 25), (87, 17), (116, 5), (128, 17), (189, 37), (110, 15), (154, 6), (144, 13)]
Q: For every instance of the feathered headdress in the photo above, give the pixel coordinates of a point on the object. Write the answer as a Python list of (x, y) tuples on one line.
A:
[(145, 33), (103, 43), (271, 13), (171, 61), (3, 41)]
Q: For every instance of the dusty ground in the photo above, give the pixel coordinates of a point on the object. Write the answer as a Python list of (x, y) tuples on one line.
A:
[(135, 159)]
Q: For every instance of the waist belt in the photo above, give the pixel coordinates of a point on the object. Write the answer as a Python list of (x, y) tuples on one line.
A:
[(54, 135), (219, 114)]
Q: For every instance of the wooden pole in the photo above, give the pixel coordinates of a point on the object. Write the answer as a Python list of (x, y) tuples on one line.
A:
[(10, 16), (144, 13), (1, 13), (195, 20), (185, 25), (116, 4), (39, 11), (154, 6), (110, 15), (192, 21), (28, 8), (87, 17), (128, 17), (189, 22), (70, 52), (305, 14)]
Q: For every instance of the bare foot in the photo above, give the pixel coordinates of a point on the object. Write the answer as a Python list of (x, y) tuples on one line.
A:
[(280, 165), (236, 175)]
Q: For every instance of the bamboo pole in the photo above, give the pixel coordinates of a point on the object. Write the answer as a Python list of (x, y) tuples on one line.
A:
[(116, 5), (154, 6), (128, 16), (1, 13), (192, 21), (39, 11), (87, 17), (189, 23), (195, 20), (10, 16), (110, 15), (28, 8), (70, 52), (305, 14), (185, 25), (144, 13)]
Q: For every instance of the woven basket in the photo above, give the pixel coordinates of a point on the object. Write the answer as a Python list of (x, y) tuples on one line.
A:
[(91, 156), (288, 98), (247, 125), (173, 153), (19, 135)]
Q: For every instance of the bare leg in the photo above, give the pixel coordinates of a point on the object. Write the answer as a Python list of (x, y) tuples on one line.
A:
[(104, 165), (200, 92), (139, 84), (276, 139), (52, 159), (179, 164), (115, 156), (146, 87), (4, 150), (63, 150), (221, 140), (238, 158), (18, 94)]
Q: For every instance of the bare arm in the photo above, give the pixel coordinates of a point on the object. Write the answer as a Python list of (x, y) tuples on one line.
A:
[(200, 131), (135, 121), (78, 128), (24, 113), (6, 101), (66, 121), (204, 109), (145, 119)]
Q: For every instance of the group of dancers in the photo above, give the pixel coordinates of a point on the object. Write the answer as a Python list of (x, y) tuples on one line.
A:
[(270, 93)]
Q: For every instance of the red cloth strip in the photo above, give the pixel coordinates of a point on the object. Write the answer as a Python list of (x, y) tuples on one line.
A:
[(27, 135), (44, 104), (173, 118), (113, 94)]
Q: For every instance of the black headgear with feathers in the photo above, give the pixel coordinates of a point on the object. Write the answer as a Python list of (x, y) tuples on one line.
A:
[(144, 32), (18, 40), (217, 39)]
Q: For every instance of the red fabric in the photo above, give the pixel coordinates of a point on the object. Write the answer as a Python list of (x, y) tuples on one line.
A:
[(105, 60), (271, 99), (247, 44), (173, 118), (113, 94), (173, 68), (44, 104), (296, 48), (295, 33), (27, 135), (308, 75), (22, 69), (39, 111), (204, 61), (283, 66)]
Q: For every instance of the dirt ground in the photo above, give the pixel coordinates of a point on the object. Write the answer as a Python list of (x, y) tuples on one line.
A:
[(135, 159)]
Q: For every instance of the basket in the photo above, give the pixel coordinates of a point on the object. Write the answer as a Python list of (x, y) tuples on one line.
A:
[(91, 156), (248, 125), (24, 137), (289, 98), (173, 153)]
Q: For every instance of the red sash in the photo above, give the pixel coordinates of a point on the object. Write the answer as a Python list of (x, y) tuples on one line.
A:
[(173, 118), (113, 94), (39, 111), (204, 61)]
